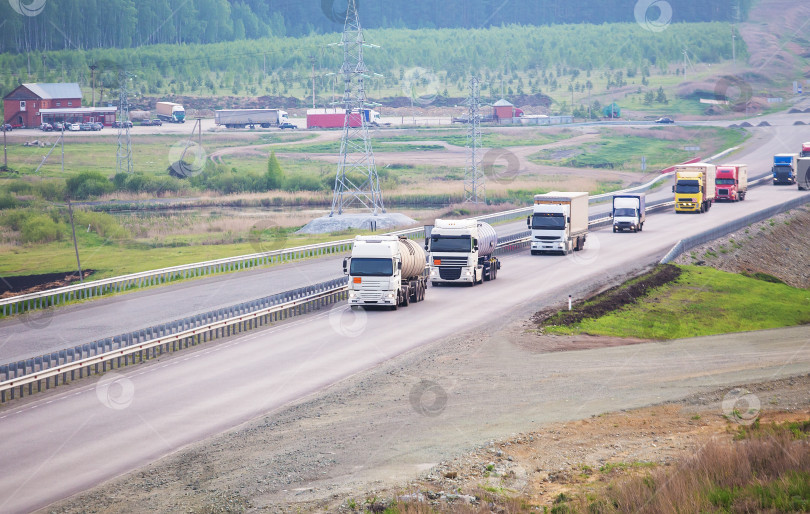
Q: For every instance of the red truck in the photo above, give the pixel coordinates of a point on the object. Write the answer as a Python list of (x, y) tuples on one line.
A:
[(334, 118), (732, 182), (805, 150)]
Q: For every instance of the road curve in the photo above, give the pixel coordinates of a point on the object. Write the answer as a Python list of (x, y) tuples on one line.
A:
[(57, 444)]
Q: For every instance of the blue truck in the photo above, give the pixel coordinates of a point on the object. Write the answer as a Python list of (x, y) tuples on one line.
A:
[(784, 168)]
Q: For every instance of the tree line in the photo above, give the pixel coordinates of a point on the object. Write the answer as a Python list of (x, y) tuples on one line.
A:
[(92, 24)]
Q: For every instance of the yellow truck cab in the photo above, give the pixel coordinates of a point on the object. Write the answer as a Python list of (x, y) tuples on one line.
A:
[(694, 187)]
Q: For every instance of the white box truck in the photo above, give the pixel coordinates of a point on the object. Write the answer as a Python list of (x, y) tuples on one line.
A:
[(461, 251), (387, 271), (628, 212), (559, 222)]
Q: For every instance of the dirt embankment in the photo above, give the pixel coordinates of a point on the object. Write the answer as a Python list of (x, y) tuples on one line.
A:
[(779, 246)]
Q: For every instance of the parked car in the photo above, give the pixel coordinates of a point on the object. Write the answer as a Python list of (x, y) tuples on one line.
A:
[(288, 125), (86, 126), (121, 124), (6, 127), (665, 120), (59, 126), (45, 127), (74, 127), (98, 126), (152, 123)]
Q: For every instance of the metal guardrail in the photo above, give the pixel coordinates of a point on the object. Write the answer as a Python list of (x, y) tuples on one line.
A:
[(180, 334), (710, 235), (86, 359)]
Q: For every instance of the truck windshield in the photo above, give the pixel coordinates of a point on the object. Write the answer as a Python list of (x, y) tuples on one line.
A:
[(724, 181), (548, 221), (365, 267), (687, 187), (450, 244), (624, 213)]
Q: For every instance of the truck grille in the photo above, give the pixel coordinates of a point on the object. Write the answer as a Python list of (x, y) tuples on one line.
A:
[(722, 192), (451, 261), (547, 238), (449, 273), (371, 296)]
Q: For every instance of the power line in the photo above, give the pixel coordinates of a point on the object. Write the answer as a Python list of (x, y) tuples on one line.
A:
[(123, 157)]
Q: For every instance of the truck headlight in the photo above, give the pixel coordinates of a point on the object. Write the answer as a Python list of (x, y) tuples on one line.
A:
[(390, 295), (352, 294)]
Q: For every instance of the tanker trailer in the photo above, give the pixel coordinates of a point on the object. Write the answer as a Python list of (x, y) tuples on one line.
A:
[(461, 251), (388, 271)]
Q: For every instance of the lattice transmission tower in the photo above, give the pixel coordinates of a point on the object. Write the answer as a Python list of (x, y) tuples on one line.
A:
[(123, 157), (356, 180), (475, 189)]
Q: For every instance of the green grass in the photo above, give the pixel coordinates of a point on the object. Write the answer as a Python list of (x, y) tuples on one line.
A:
[(625, 152), (702, 301)]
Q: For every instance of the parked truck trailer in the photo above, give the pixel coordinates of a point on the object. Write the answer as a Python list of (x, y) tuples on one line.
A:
[(335, 118), (171, 112), (387, 271), (241, 118), (559, 222), (629, 212), (805, 150), (461, 251), (695, 187), (732, 182)]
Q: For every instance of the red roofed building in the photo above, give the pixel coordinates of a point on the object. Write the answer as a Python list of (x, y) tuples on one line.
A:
[(22, 106)]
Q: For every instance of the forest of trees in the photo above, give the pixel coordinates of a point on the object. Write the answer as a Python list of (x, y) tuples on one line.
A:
[(530, 59), (91, 24)]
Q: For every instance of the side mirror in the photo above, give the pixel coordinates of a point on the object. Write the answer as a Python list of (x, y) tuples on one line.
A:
[(399, 265), (673, 189), (345, 266), (568, 219), (528, 221)]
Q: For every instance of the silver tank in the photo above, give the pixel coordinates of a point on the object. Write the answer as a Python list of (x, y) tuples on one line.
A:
[(487, 239), (413, 258)]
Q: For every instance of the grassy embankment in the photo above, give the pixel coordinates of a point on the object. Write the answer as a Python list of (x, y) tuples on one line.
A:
[(701, 301)]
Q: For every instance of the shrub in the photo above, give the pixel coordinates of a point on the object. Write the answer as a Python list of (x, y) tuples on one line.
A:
[(87, 184), (40, 228), (7, 201)]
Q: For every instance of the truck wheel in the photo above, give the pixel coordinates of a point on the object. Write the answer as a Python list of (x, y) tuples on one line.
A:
[(406, 300), (614, 230), (641, 227)]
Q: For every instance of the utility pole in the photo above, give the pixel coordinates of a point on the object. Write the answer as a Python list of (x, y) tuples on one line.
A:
[(733, 48), (124, 154), (474, 180), (356, 161), (70, 212), (312, 58), (93, 69)]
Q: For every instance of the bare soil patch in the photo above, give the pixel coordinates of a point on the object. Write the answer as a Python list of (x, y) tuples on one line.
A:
[(611, 300), (23, 284)]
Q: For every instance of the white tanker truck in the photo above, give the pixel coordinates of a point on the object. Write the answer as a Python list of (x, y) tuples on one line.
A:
[(386, 270), (461, 251)]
